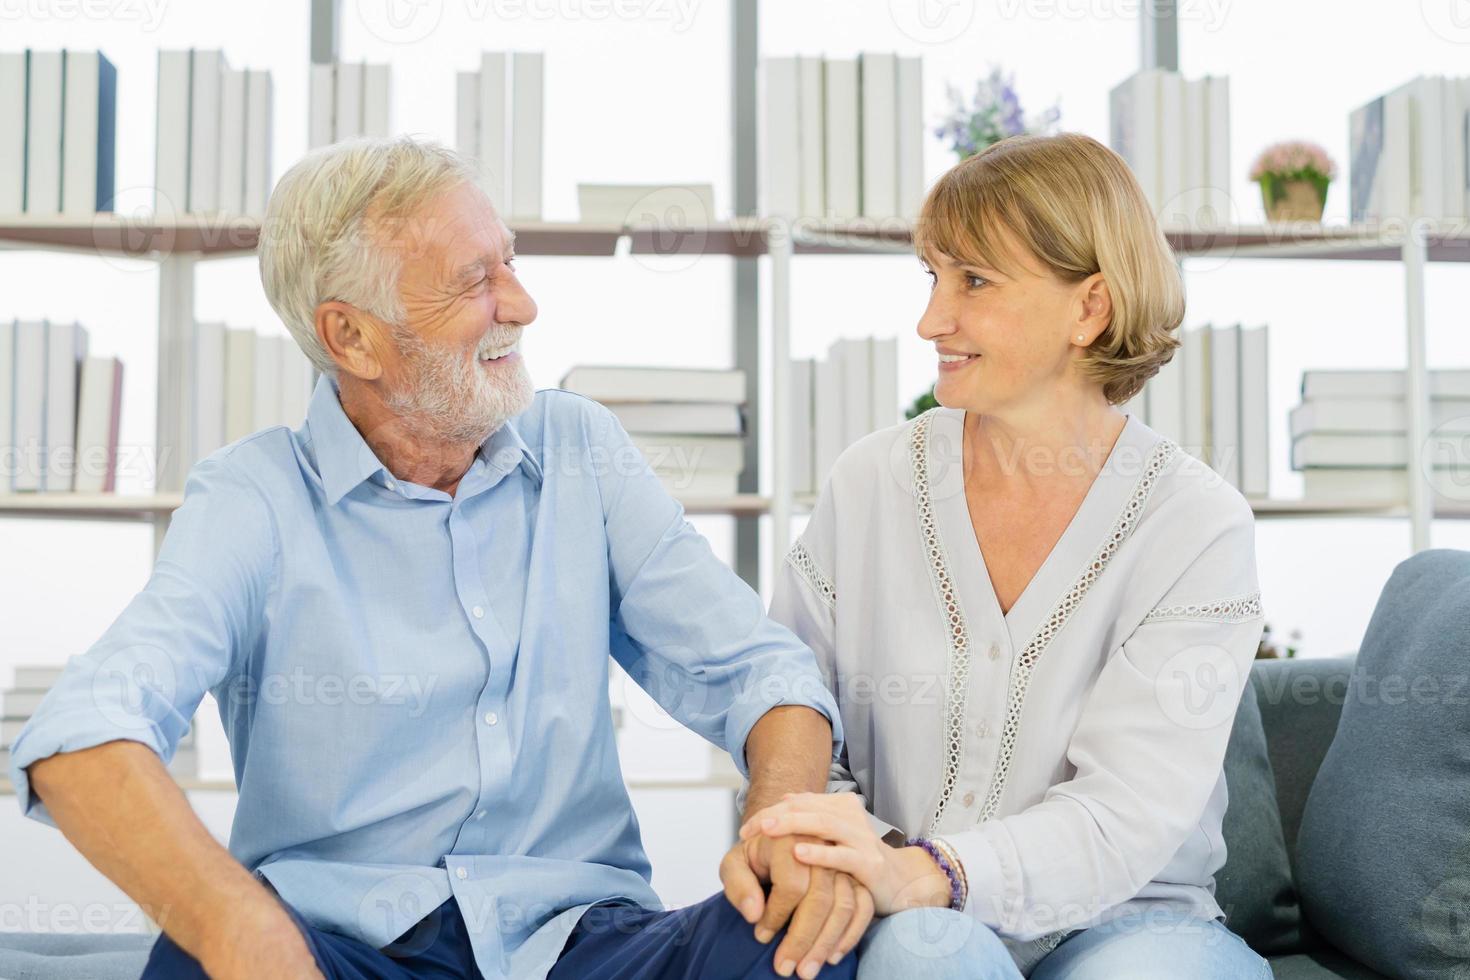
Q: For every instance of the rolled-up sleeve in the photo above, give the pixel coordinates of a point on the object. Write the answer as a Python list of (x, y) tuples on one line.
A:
[(144, 679), (685, 627)]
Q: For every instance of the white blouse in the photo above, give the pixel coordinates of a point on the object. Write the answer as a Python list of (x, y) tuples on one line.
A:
[(1070, 750)]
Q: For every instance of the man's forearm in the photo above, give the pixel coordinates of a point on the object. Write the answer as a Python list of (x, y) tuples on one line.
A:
[(120, 808), (789, 751)]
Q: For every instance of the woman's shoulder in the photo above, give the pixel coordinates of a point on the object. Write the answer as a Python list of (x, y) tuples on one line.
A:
[(1186, 484), (878, 461)]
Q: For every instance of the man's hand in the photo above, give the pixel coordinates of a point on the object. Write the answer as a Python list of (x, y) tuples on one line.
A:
[(261, 943), (831, 910)]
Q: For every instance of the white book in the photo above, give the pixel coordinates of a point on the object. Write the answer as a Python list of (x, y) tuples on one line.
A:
[(1133, 129), (1352, 383), (1195, 198), (240, 345), (1218, 177), (12, 131), (827, 411), (1382, 485), (1452, 124), (1195, 394), (467, 113), (1397, 203), (259, 99), (1462, 128), (810, 136), (20, 703), (1225, 402), (347, 109), (171, 144), (1171, 148), (1429, 148), (7, 400), (43, 135), (802, 432), (66, 349), (232, 142), (321, 109), (692, 486), (99, 419), (842, 151), (1331, 449), (377, 101), (1345, 415), (204, 131), (855, 358), (654, 384), (684, 453), (38, 678), (209, 379), (910, 137), (1366, 145), (89, 139), (296, 383), (494, 128), (641, 205), (1255, 414), (269, 366), (31, 337), (659, 418), (783, 163), (879, 98), (885, 384), (1166, 399), (527, 120)]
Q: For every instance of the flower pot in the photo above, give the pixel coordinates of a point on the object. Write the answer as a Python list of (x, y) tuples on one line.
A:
[(1293, 200)]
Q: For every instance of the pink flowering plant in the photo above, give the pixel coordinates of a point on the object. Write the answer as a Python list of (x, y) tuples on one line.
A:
[(991, 114), (1292, 160)]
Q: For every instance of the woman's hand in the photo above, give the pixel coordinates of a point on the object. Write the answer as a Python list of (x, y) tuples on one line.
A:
[(898, 877)]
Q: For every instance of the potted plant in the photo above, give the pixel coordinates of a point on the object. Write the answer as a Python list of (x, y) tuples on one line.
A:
[(1271, 649), (1293, 176), (992, 114)]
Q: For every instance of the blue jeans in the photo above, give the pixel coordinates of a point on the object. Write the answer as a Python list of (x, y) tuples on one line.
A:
[(938, 944)]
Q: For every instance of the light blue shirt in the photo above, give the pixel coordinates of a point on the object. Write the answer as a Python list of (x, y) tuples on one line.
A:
[(414, 686)]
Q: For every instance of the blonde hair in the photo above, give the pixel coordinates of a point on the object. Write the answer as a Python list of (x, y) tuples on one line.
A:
[(329, 220), (1075, 204)]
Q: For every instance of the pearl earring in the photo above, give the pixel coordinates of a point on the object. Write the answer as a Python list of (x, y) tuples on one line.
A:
[(1079, 336)]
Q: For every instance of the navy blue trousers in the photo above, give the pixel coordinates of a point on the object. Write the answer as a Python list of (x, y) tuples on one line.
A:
[(708, 941)]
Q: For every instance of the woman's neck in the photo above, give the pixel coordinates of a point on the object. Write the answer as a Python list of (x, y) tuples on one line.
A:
[(1047, 443)]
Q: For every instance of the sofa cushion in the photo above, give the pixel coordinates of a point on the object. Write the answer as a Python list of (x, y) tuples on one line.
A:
[(1321, 966), (1383, 856), (73, 956), (1255, 887)]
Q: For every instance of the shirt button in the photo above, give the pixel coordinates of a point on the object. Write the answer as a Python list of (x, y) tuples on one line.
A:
[(491, 718), (480, 815), (390, 485), (995, 651), (461, 873), (479, 612), (969, 800)]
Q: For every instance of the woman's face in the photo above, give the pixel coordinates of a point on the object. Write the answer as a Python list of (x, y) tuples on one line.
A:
[(1002, 338)]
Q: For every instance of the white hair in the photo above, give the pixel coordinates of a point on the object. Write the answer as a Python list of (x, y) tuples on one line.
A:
[(323, 234)]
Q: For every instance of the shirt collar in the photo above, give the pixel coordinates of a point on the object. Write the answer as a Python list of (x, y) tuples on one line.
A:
[(344, 459)]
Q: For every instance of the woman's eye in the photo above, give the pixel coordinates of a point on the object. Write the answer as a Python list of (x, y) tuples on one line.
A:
[(975, 282)]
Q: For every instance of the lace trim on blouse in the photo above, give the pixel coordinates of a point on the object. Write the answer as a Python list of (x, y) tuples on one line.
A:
[(1241, 609), (801, 560)]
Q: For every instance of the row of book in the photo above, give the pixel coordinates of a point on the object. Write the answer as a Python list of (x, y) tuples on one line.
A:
[(20, 701), (1349, 435), (836, 401), (1174, 132), (347, 100), (499, 118), (687, 422), (58, 132), (844, 138), (60, 410), (1212, 400), (241, 382), (213, 144), (1408, 155)]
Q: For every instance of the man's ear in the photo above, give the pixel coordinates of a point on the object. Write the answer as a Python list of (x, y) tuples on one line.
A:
[(351, 338)]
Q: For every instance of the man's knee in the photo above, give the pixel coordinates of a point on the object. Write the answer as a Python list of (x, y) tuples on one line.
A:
[(935, 944)]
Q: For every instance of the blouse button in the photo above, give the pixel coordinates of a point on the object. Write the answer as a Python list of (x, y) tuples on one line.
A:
[(995, 651), (983, 730), (969, 800)]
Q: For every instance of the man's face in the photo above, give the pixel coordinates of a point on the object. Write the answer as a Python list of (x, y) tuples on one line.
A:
[(454, 369)]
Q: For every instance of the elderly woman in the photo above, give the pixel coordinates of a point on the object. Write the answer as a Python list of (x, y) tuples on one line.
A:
[(1037, 613)]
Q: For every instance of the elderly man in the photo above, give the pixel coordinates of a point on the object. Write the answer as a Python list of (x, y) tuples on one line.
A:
[(405, 610)]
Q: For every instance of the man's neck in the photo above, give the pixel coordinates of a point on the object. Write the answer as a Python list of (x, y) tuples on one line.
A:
[(407, 449)]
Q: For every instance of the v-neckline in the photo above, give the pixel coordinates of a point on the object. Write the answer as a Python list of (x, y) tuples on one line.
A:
[(1074, 547)]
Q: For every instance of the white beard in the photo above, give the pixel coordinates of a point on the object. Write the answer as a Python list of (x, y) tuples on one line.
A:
[(456, 400)]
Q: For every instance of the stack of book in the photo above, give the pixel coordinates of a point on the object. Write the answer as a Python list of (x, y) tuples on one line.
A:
[(242, 382), (673, 206), (60, 410), (1407, 152), (346, 100), (1211, 399), (1174, 133), (1349, 436), (686, 422), (58, 132), (844, 138), (214, 136), (499, 118), (19, 702), (838, 400)]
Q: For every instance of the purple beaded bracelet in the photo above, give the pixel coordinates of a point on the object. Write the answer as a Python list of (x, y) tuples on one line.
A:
[(956, 891)]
